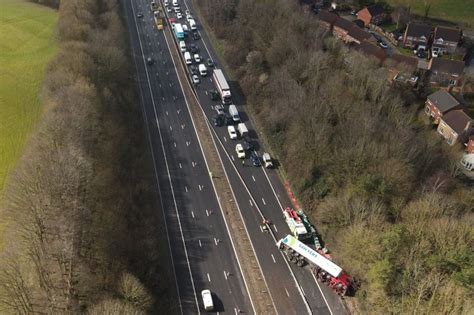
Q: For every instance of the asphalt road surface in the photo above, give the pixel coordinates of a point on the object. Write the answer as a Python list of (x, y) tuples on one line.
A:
[(181, 174)]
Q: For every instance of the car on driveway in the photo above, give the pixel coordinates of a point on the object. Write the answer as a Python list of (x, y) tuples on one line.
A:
[(435, 52), (214, 95), (255, 159), (219, 109), (232, 132), (195, 78), (239, 149), (210, 63), (383, 44)]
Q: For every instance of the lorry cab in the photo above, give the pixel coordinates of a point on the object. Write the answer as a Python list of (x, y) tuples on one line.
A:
[(207, 300), (234, 113)]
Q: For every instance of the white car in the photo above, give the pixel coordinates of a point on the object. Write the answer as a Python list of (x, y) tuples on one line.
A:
[(177, 9), (197, 58), (207, 300), (195, 79), (189, 17), (187, 12), (240, 151), (169, 9), (179, 15), (232, 132)]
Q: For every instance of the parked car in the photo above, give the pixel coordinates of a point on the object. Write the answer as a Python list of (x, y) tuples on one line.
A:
[(240, 151), (255, 159), (435, 52), (232, 132), (383, 44), (210, 63), (196, 79), (219, 109), (196, 36), (421, 53), (214, 94)]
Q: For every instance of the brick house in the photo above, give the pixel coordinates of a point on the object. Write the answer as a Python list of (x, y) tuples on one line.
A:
[(341, 28), (446, 39), (416, 35), (470, 144), (439, 103), (445, 72), (373, 14), (455, 126), (358, 35), (327, 19)]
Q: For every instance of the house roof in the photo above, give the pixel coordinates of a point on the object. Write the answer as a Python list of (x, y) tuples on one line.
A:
[(358, 33), (447, 34), (418, 30), (454, 67), (375, 9), (443, 101), (457, 120), (398, 59), (371, 50), (343, 23), (327, 17)]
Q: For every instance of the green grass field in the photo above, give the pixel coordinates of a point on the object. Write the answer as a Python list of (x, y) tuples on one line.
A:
[(451, 10), (26, 45)]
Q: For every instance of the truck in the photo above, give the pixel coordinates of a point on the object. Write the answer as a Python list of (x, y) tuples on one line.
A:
[(154, 6), (323, 268), (222, 86), (178, 31), (243, 131), (295, 224), (159, 19)]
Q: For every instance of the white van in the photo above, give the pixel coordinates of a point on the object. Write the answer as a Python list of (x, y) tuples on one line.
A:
[(234, 113), (202, 70), (185, 29), (207, 300), (242, 129), (175, 3), (187, 58), (192, 24), (182, 45)]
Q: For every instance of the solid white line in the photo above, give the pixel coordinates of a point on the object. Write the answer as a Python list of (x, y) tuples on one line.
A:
[(156, 173), (319, 287), (213, 185)]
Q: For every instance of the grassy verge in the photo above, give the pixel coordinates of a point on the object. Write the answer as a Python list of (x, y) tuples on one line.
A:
[(450, 10), (26, 45)]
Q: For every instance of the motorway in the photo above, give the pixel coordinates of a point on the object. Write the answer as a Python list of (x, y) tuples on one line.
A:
[(187, 195)]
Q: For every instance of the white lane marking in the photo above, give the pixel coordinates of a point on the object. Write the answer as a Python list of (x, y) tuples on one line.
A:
[(232, 158), (207, 212), (182, 126), (209, 278), (166, 113), (275, 227), (253, 178), (287, 292), (263, 200), (200, 187), (180, 166), (215, 241), (251, 204), (261, 230), (200, 245), (274, 261), (225, 139), (192, 214), (174, 144), (225, 274), (171, 128), (178, 111), (186, 188), (194, 163), (205, 92), (188, 143)]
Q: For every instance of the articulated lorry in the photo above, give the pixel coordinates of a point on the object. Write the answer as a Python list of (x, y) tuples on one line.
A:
[(323, 268), (222, 86)]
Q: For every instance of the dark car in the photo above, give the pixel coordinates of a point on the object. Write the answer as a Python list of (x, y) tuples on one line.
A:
[(193, 69), (196, 35), (210, 63), (383, 44), (194, 49), (214, 95), (255, 159), (228, 120), (149, 61), (421, 53), (247, 143), (139, 15), (218, 120)]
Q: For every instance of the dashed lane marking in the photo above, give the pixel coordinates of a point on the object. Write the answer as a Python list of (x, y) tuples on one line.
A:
[(274, 261), (263, 200)]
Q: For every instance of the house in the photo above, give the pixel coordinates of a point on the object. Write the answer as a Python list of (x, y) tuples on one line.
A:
[(373, 14), (468, 161), (417, 35), (455, 126), (326, 19), (470, 144), (445, 72), (358, 35), (371, 50), (439, 103), (341, 28), (446, 39)]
